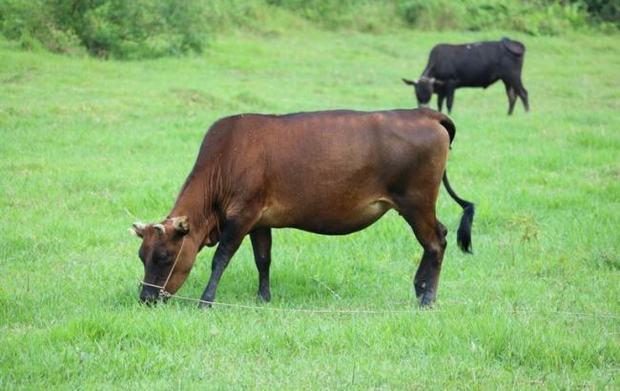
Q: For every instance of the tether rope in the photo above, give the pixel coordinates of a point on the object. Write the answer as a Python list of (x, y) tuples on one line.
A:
[(164, 294), (167, 295)]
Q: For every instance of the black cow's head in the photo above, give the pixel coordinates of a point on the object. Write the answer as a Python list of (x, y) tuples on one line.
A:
[(424, 88)]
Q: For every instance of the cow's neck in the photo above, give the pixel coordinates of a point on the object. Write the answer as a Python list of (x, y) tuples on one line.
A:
[(191, 202)]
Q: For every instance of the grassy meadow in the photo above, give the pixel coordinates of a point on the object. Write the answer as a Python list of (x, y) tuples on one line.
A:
[(89, 146)]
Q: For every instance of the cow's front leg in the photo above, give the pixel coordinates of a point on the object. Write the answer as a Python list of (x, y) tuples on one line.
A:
[(449, 98), (440, 98), (231, 239)]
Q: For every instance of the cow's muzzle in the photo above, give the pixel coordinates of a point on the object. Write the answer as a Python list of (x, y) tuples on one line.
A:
[(149, 295)]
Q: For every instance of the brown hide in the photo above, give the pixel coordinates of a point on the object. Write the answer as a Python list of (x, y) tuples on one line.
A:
[(332, 172), (327, 172)]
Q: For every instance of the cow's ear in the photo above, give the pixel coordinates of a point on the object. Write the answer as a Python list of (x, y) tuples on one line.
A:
[(437, 82), (410, 82), (181, 224), (137, 229)]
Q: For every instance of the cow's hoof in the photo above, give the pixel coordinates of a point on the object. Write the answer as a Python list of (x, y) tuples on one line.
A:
[(264, 297), (205, 304), (426, 300)]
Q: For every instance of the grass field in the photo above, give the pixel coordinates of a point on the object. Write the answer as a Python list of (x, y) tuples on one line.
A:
[(87, 147)]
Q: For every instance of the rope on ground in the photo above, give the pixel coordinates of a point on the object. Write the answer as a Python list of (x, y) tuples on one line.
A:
[(291, 310), (375, 311)]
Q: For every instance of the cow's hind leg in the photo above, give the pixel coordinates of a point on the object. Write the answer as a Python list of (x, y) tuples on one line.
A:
[(517, 86), (512, 97), (523, 95), (261, 245), (432, 236)]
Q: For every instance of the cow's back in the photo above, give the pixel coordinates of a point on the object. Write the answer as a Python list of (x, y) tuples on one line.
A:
[(473, 64), (315, 170)]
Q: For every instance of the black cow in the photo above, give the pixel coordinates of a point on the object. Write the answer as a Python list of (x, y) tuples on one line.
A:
[(478, 64)]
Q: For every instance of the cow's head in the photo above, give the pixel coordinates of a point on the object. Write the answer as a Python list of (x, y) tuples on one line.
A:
[(424, 88), (161, 246)]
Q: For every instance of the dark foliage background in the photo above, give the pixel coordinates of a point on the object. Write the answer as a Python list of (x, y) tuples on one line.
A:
[(155, 28)]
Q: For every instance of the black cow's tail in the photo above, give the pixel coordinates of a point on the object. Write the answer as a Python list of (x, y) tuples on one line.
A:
[(463, 235), (515, 48)]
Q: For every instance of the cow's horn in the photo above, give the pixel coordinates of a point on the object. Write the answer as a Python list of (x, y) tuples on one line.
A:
[(181, 224), (137, 229), (160, 227)]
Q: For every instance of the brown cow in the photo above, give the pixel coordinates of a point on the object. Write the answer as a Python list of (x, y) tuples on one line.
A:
[(329, 172)]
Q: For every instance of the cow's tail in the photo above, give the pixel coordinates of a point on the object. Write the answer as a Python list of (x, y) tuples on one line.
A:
[(463, 235), (447, 123), (515, 48)]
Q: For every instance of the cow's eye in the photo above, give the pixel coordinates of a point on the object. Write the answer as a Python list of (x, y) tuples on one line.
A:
[(163, 258)]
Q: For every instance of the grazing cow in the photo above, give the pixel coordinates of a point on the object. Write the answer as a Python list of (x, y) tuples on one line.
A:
[(330, 172), (478, 64)]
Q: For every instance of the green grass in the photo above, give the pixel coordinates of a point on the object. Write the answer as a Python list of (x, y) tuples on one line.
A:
[(87, 147)]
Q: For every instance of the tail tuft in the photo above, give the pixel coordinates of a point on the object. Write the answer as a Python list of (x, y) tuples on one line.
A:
[(463, 234)]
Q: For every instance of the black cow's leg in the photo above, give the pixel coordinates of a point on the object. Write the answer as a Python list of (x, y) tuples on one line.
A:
[(512, 97), (261, 245), (432, 236), (450, 99), (440, 98), (523, 95), (517, 86), (231, 239)]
